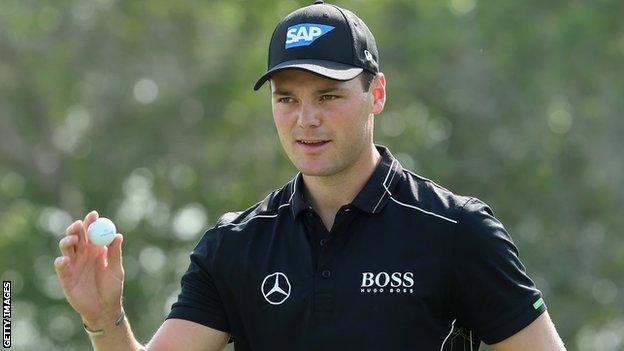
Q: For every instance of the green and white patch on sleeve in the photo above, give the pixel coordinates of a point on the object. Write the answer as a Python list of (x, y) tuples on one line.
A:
[(537, 304)]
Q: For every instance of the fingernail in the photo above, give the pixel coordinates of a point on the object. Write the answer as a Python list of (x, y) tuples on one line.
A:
[(59, 260)]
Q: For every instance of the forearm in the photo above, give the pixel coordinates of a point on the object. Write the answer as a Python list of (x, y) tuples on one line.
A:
[(115, 337)]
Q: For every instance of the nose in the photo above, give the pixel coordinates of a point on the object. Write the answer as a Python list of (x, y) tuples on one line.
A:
[(308, 115)]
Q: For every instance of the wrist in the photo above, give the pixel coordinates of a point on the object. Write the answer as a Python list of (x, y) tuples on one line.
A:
[(104, 323)]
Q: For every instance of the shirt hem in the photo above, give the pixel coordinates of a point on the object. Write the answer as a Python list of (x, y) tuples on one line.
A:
[(510, 326)]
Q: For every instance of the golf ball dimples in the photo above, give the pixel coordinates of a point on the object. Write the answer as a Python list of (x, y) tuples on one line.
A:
[(102, 231)]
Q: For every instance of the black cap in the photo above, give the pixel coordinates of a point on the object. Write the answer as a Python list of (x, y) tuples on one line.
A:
[(324, 39)]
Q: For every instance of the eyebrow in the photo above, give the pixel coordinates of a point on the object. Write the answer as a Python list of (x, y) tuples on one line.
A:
[(278, 91)]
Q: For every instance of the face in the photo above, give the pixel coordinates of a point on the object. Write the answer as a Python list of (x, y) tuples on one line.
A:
[(324, 125)]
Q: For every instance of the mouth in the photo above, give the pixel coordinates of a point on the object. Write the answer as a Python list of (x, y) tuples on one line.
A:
[(311, 145)]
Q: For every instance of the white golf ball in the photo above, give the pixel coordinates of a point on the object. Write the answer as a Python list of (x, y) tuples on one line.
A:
[(102, 231)]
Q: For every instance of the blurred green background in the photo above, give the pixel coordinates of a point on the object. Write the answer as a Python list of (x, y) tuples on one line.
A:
[(144, 111)]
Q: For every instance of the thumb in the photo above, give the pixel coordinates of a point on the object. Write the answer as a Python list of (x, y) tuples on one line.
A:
[(114, 251)]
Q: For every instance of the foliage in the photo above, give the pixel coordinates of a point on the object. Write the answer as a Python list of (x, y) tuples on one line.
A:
[(144, 110)]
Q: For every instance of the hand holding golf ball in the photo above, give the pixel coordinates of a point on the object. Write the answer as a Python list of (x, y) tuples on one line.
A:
[(90, 269), (102, 231)]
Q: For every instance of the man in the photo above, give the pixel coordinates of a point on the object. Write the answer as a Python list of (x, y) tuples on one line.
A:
[(355, 253)]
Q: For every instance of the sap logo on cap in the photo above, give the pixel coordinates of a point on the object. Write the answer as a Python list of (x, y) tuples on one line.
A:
[(305, 34)]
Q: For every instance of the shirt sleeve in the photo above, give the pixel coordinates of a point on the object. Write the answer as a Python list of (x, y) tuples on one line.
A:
[(199, 299), (493, 295)]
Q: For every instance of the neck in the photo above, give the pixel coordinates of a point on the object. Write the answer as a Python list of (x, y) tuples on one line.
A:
[(328, 193)]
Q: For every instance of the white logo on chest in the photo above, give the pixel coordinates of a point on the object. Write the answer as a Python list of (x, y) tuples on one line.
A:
[(275, 288), (395, 282)]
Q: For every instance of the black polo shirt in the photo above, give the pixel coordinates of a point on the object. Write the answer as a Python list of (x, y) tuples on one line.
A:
[(407, 265)]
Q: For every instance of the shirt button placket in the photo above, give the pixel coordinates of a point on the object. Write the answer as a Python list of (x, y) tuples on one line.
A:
[(324, 297)]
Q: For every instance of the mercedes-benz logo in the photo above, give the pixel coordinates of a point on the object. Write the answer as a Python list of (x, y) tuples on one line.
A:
[(275, 288)]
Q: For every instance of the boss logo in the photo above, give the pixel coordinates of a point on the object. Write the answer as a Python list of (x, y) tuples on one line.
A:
[(396, 282)]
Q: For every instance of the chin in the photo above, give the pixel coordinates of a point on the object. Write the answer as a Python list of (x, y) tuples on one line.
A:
[(314, 173), (317, 171), (316, 167)]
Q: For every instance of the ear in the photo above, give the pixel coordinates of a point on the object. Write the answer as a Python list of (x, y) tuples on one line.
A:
[(378, 89)]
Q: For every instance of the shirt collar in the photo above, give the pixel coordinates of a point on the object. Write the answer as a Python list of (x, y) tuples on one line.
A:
[(373, 196), (297, 202)]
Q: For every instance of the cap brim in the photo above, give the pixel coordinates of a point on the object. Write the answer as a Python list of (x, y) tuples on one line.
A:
[(329, 69)]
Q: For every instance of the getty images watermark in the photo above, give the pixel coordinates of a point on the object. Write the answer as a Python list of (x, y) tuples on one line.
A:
[(6, 314)]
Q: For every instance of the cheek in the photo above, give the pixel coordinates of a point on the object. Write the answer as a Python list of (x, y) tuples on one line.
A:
[(282, 122), (351, 120)]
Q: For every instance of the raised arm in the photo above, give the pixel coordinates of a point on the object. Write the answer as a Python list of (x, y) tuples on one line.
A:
[(92, 279)]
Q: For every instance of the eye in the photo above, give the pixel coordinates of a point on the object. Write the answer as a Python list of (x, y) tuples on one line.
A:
[(329, 97), (285, 100)]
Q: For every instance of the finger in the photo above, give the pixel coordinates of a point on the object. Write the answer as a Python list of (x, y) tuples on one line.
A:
[(103, 258), (67, 245), (60, 266), (89, 218), (114, 252), (74, 228)]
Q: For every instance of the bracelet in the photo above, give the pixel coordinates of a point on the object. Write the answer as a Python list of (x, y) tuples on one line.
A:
[(101, 331)]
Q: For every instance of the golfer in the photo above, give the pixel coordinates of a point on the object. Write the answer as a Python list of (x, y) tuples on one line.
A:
[(354, 253)]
